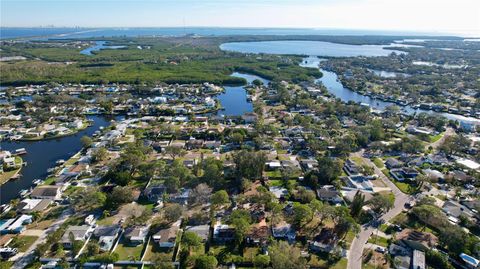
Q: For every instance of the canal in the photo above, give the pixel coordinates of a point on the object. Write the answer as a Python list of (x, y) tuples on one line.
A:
[(42, 155)]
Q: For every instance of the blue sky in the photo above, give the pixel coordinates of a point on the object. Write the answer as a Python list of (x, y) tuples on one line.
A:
[(446, 16)]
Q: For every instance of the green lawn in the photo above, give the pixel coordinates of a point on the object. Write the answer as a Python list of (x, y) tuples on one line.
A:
[(435, 138), (126, 252), (378, 162), (5, 176), (319, 261), (404, 187), (378, 240), (23, 242)]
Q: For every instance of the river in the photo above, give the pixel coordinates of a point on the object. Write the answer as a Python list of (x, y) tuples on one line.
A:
[(42, 155), (99, 45), (330, 79)]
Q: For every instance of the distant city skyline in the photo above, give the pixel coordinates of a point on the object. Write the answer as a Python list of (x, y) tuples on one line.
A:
[(461, 17)]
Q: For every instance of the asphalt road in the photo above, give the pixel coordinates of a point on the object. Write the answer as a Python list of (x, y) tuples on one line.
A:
[(359, 243), (23, 261)]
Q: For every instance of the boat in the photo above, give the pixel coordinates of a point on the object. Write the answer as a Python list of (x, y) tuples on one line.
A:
[(23, 193), (20, 151), (37, 182), (51, 170), (61, 161)]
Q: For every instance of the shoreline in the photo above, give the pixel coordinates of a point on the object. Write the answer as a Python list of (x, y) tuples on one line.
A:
[(17, 171)]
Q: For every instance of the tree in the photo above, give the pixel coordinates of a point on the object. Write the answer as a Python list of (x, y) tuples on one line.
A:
[(174, 152), (261, 261), (285, 256), (161, 261), (172, 184), (241, 220), (118, 197), (173, 212), (88, 199), (86, 141), (328, 170), (191, 239), (301, 214), (357, 203), (201, 194), (381, 203), (213, 172), (93, 249), (304, 195), (249, 164), (99, 155), (220, 198), (206, 262), (436, 259), (107, 106), (455, 144)]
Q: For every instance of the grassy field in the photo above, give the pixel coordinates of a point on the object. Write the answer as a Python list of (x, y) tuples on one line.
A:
[(378, 240), (126, 252), (23, 242), (378, 162)]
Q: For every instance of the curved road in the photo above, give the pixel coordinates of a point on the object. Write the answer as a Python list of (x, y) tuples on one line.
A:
[(359, 242)]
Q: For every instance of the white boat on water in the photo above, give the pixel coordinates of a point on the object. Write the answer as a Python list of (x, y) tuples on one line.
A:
[(20, 151), (23, 193), (37, 182), (61, 161)]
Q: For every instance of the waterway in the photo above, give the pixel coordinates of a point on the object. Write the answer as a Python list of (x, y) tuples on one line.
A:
[(334, 86), (234, 99), (330, 79), (314, 48), (42, 155), (99, 45)]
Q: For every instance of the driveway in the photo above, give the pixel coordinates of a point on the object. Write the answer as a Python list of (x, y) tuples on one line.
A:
[(356, 248), (29, 254)]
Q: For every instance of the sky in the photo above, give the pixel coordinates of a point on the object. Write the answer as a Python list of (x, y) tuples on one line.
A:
[(433, 16)]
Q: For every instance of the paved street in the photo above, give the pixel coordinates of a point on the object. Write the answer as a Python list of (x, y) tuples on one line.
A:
[(358, 244), (28, 257)]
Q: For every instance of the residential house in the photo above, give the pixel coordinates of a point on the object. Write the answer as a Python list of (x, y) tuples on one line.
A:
[(416, 239), (214, 145), (107, 235), (249, 117), (47, 192), (330, 194), (351, 168), (283, 230), (203, 231), (279, 192), (223, 233), (392, 163), (33, 205), (258, 234), (418, 259), (454, 209), (136, 235), (326, 241), (79, 233), (359, 182), (166, 238), (181, 197), (155, 192), (405, 173)]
